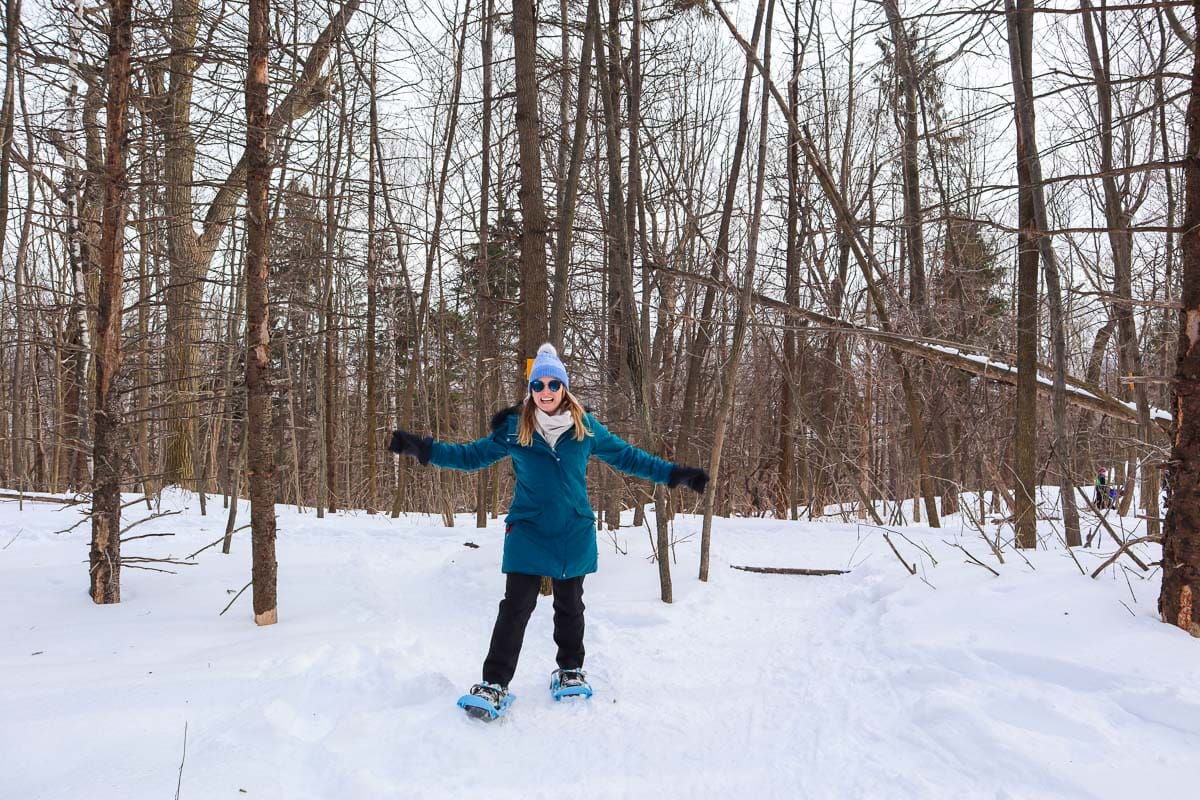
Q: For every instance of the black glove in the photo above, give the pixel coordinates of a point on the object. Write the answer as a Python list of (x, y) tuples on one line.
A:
[(408, 444), (691, 477)]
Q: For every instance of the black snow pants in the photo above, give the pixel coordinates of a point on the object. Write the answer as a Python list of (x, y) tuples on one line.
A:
[(520, 597)]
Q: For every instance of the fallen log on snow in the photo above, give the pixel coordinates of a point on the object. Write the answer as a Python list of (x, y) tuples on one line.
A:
[(791, 570)]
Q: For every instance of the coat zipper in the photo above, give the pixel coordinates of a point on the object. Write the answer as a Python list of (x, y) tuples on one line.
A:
[(562, 558)]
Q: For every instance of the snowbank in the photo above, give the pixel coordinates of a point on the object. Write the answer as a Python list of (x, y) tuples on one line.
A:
[(1038, 683)]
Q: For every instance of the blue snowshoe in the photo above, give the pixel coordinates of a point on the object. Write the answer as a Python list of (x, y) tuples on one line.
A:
[(486, 701), (569, 683)]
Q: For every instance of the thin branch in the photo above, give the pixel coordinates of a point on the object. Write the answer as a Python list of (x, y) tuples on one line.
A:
[(235, 597), (974, 559), (145, 536), (179, 784), (912, 570), (1124, 548)]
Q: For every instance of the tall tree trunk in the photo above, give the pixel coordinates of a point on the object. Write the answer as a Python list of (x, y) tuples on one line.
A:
[(720, 257), (914, 238), (12, 27), (1020, 40), (372, 441), (1029, 177), (260, 448), (570, 189), (79, 469), (786, 505), (1119, 219), (185, 284), (628, 350), (910, 168), (1179, 598), (16, 431), (105, 556), (420, 314), (729, 379), (190, 254), (485, 353), (534, 289)]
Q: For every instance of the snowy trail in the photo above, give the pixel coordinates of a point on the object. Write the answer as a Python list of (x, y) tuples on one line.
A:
[(872, 684)]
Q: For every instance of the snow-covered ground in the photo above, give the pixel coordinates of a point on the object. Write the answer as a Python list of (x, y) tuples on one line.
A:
[(1038, 683)]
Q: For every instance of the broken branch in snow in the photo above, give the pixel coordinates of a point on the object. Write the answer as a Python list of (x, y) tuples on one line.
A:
[(217, 542), (235, 597), (128, 560), (966, 508), (145, 536), (148, 569), (1125, 548), (135, 523), (920, 547), (974, 559), (1104, 522), (912, 570), (27, 498), (791, 570), (179, 785)]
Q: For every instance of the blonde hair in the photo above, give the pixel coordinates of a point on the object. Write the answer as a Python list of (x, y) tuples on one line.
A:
[(526, 423)]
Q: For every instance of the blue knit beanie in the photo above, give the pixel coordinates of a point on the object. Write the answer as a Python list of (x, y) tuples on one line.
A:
[(548, 365)]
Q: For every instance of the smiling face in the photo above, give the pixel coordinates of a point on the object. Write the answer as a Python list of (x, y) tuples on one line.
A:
[(548, 400)]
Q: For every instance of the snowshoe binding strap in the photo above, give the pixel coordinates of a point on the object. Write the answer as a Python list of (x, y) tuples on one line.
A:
[(486, 701)]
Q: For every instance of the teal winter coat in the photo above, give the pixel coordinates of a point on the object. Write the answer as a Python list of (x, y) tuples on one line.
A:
[(550, 528)]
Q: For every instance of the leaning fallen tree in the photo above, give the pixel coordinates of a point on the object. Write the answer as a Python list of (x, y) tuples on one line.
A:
[(988, 365)]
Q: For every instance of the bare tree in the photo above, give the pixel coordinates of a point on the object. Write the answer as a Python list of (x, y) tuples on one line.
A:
[(260, 453), (1179, 599), (105, 557)]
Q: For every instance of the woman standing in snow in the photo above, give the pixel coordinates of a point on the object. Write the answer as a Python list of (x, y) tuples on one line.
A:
[(550, 527)]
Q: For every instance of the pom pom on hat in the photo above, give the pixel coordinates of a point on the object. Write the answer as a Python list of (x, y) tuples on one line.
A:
[(548, 365)]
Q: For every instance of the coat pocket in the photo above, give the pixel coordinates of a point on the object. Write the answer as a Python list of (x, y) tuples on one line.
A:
[(521, 515)]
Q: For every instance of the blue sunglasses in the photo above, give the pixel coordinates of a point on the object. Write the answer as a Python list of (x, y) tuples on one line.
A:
[(538, 386)]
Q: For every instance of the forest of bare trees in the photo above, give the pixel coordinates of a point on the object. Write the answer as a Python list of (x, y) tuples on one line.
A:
[(845, 254)]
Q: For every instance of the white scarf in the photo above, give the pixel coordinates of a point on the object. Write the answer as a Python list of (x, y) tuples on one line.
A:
[(552, 427)]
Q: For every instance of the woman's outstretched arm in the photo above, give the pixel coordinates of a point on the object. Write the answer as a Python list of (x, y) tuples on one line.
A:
[(466, 457), (621, 455), (614, 450)]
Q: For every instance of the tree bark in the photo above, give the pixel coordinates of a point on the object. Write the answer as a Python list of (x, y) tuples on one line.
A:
[(570, 192), (910, 168), (720, 256), (372, 442), (16, 431), (1029, 177), (260, 449), (534, 287), (109, 452), (1179, 598), (729, 379), (190, 254), (1020, 39), (1119, 219), (485, 355)]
